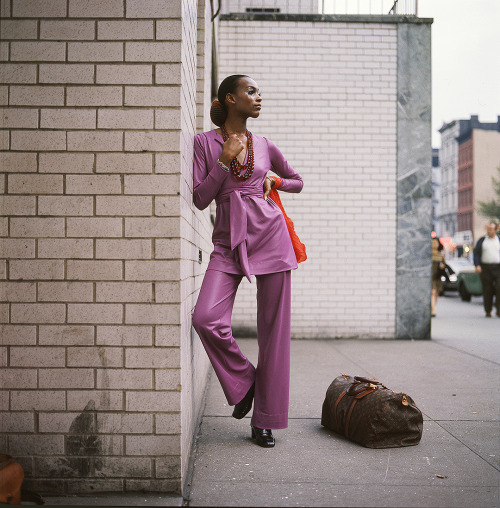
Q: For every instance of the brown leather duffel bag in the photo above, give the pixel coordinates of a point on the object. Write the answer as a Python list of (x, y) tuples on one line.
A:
[(370, 414)]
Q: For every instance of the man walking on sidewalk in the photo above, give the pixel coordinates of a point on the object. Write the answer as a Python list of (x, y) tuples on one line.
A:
[(487, 262)]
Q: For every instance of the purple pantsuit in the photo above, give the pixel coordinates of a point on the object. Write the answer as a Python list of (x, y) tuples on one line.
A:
[(250, 238)]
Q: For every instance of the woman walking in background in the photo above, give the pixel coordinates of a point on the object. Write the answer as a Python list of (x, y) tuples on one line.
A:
[(250, 237), (438, 264)]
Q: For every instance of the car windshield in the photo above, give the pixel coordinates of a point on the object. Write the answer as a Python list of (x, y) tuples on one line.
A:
[(457, 264)]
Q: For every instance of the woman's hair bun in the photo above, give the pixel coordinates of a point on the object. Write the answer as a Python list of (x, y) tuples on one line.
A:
[(218, 113)]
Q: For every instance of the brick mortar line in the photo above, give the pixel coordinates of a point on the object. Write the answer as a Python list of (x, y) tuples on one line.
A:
[(89, 18), (100, 41)]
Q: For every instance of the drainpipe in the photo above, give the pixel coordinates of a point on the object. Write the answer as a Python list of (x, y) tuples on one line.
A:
[(215, 69)]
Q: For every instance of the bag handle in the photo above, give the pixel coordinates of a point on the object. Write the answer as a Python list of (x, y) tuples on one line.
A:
[(363, 386), (367, 380)]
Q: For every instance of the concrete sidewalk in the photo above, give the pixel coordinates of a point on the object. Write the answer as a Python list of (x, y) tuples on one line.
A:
[(454, 379)]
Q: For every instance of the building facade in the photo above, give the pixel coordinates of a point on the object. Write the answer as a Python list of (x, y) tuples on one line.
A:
[(448, 155), (479, 160), (478, 163), (102, 251), (465, 208), (486, 163), (436, 192), (464, 180)]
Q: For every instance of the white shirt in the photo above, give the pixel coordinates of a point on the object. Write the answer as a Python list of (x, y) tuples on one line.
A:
[(490, 250)]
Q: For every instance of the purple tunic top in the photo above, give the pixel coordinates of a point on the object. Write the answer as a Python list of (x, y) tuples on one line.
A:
[(250, 234)]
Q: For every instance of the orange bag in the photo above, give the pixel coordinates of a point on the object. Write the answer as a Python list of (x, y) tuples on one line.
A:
[(298, 247), (11, 480)]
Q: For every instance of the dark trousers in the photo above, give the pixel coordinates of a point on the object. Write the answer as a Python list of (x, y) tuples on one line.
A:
[(490, 278)]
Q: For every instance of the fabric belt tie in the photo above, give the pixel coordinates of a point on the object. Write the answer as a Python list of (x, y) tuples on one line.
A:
[(238, 225)]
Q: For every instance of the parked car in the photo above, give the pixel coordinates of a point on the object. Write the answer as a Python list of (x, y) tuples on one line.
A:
[(469, 283), (451, 269), (449, 280)]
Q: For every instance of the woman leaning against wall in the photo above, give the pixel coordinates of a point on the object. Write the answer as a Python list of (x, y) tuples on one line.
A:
[(250, 237)]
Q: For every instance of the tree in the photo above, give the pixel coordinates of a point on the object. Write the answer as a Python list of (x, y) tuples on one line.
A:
[(491, 208)]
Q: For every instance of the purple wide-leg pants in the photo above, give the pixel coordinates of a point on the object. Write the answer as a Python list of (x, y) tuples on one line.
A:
[(212, 321)]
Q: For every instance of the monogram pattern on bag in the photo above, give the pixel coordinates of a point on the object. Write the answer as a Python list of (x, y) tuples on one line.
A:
[(379, 418)]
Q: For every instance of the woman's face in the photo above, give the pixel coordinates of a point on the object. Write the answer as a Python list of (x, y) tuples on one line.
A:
[(435, 244), (246, 99)]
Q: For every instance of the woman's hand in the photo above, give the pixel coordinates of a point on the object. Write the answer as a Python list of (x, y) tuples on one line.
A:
[(268, 185), (230, 149)]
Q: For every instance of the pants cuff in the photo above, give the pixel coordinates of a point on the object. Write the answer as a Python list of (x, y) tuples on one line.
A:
[(263, 421)]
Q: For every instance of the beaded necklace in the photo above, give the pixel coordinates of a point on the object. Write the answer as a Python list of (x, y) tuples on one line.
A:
[(236, 167)]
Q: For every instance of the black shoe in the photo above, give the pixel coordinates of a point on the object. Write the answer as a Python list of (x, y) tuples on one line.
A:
[(244, 405), (264, 437)]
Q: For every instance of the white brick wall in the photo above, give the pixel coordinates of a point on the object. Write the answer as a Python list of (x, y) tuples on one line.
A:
[(330, 106), (98, 115)]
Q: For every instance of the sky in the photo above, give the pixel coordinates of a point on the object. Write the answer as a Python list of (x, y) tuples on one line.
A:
[(465, 60)]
